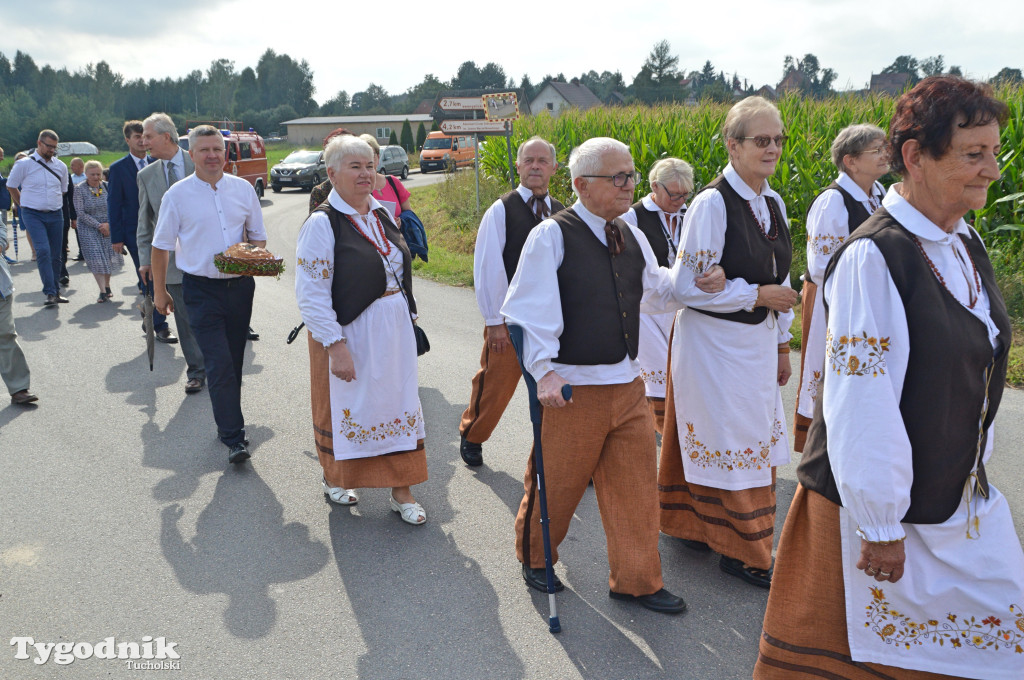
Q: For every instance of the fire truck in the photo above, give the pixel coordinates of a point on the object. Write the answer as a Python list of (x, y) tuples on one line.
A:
[(245, 153)]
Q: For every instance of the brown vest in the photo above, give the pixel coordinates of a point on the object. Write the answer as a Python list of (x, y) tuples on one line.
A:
[(649, 222), (855, 211), (600, 295), (519, 222), (359, 273), (944, 389), (747, 254)]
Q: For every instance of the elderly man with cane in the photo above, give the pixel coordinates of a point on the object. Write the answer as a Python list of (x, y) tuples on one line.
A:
[(577, 296)]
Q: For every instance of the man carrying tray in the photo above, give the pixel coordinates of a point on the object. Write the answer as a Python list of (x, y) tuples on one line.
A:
[(201, 216)]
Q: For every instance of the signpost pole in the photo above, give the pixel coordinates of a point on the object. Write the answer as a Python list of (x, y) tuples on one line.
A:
[(508, 141), (476, 165)]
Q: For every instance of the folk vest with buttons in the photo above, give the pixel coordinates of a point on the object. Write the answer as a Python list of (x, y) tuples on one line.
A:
[(650, 223), (944, 390), (855, 211), (600, 295), (359, 273), (747, 253), (519, 222)]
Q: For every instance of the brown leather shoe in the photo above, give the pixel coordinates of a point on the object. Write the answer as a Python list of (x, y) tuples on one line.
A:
[(23, 397), (193, 385)]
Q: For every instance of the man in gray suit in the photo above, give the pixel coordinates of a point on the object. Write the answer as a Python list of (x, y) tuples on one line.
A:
[(161, 136)]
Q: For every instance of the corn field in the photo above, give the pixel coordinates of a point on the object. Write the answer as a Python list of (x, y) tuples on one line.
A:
[(693, 134)]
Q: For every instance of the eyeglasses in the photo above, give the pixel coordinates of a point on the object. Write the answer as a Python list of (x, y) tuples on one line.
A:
[(48, 145), (674, 197), (762, 141), (620, 179), (882, 151)]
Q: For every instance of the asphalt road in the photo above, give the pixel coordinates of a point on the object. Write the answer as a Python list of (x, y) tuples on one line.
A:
[(120, 517)]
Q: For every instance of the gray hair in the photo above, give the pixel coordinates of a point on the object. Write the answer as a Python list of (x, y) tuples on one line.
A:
[(536, 138), (672, 169), (203, 131), (853, 140), (588, 157), (48, 134), (92, 164), (744, 111), (372, 141), (345, 145), (162, 125)]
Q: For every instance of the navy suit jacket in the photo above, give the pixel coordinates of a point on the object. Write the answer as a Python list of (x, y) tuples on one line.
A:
[(123, 199)]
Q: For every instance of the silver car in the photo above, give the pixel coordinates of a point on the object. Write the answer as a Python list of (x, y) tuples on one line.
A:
[(394, 161), (303, 169)]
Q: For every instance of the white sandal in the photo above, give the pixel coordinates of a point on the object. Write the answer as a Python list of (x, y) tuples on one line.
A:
[(411, 513), (340, 495)]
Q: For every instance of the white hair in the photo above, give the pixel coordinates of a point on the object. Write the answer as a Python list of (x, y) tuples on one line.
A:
[(531, 140), (162, 125), (588, 157), (672, 169), (345, 145), (203, 131)]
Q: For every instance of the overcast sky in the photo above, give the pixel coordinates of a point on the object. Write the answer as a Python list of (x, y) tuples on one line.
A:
[(394, 44)]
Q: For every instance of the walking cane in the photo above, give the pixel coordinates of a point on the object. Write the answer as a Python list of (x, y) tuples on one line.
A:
[(14, 223), (516, 334)]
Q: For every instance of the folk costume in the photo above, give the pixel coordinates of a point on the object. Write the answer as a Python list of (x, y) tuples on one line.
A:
[(579, 306), (369, 432), (726, 432), (499, 242), (833, 216), (897, 451), (662, 231)]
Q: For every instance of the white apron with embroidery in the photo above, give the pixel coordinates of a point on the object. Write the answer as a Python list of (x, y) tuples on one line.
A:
[(958, 608), (379, 412), (728, 405), (653, 352)]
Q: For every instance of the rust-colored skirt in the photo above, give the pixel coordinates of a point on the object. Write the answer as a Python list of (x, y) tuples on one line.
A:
[(403, 468), (804, 632)]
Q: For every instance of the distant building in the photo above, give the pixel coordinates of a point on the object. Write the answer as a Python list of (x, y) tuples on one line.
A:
[(768, 92), (555, 96), (892, 84), (794, 81), (311, 131), (615, 99), (425, 106)]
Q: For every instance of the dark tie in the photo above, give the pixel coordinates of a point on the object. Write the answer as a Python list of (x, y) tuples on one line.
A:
[(142, 163), (172, 174), (539, 207), (616, 244)]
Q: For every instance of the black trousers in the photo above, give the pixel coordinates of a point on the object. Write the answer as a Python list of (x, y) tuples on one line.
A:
[(219, 311)]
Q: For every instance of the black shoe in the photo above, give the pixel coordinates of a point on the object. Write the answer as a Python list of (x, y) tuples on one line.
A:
[(51, 301), (759, 577), (238, 453), (164, 335), (661, 601), (65, 280), (253, 335), (695, 545), (61, 299), (538, 579), (472, 454)]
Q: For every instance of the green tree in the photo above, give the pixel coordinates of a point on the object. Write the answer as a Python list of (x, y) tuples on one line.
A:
[(406, 140), (1007, 76), (492, 76), (662, 64), (247, 95), (282, 80), (393, 139), (421, 136), (338, 105), (932, 66), (468, 77), (219, 89), (904, 64)]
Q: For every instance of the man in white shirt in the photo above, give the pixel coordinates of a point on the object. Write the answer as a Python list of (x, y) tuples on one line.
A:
[(499, 241), (200, 216), (577, 295), (77, 171), (38, 184)]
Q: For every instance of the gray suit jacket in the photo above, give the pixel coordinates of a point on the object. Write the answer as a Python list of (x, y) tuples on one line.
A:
[(152, 186)]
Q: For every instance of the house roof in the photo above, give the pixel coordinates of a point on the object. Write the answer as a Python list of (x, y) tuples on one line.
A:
[(889, 83), (342, 120), (575, 94)]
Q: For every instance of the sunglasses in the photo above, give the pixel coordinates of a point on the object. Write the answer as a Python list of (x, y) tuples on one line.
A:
[(762, 141)]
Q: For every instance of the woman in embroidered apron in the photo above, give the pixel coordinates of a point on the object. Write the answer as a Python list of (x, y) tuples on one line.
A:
[(898, 559), (725, 431), (353, 283), (860, 153)]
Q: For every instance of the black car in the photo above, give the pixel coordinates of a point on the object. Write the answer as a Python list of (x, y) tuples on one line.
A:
[(303, 169)]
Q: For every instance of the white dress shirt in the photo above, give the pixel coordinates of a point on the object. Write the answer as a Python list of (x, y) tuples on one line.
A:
[(40, 190), (198, 220), (828, 223), (671, 240), (489, 278), (533, 302)]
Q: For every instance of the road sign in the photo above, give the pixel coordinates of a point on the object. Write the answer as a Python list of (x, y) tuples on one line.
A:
[(501, 106), (461, 103), (482, 127)]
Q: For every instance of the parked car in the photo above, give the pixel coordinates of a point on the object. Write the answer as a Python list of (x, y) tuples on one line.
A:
[(393, 161), (303, 169), (446, 152), (245, 152)]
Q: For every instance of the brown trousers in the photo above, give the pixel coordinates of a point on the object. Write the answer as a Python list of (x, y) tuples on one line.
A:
[(403, 468), (657, 407), (493, 387), (801, 423), (604, 434), (804, 633)]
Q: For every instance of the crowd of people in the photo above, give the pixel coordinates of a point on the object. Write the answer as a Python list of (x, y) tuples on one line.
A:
[(668, 318)]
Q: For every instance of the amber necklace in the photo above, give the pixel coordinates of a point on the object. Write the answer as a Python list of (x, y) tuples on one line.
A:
[(972, 294), (384, 245), (772, 233)]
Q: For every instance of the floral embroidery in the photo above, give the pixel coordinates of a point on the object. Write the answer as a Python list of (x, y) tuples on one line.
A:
[(699, 261), (405, 426), (317, 269), (653, 377), (824, 244), (746, 459), (813, 385), (900, 630), (856, 354)]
